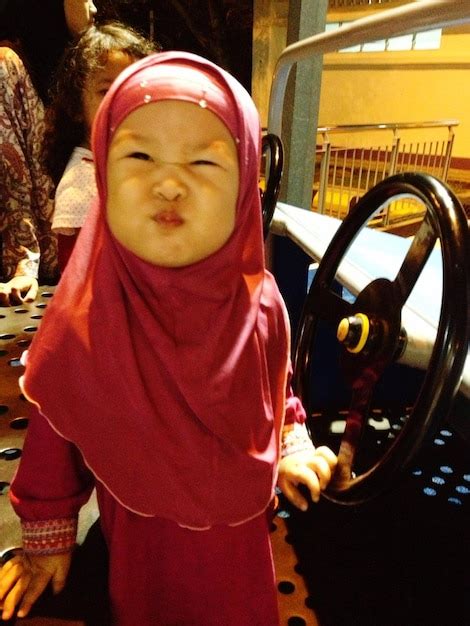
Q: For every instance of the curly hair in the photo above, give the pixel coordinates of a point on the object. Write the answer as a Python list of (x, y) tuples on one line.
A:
[(65, 127)]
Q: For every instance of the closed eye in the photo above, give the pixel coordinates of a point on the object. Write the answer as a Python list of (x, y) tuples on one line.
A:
[(203, 162), (141, 156)]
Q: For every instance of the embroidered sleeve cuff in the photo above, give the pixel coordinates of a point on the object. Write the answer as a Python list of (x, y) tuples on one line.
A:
[(49, 536), (295, 438)]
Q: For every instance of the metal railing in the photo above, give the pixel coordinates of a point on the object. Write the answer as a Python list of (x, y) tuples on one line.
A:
[(344, 172), (341, 4)]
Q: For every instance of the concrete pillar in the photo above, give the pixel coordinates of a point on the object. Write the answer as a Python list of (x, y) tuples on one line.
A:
[(301, 105), (269, 40)]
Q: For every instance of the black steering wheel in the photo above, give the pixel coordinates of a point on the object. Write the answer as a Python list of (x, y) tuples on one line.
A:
[(273, 178), (370, 333)]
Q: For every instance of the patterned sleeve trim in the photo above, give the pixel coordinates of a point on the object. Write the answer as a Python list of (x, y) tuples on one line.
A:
[(49, 536), (295, 438)]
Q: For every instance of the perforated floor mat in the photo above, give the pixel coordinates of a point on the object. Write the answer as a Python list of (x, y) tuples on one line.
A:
[(17, 326)]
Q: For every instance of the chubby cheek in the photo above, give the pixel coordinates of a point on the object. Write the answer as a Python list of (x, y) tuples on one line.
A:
[(123, 199), (119, 216)]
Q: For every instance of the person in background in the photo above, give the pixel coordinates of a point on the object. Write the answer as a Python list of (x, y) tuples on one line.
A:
[(171, 342), (40, 32), (27, 61), (28, 246), (94, 61)]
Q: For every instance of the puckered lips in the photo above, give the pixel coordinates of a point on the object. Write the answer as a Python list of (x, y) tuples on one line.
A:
[(168, 218)]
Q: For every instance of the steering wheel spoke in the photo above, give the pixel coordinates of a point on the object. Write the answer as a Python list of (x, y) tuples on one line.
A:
[(415, 260), (330, 306)]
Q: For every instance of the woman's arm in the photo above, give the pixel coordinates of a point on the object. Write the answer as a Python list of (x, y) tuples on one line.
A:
[(78, 15), (27, 239)]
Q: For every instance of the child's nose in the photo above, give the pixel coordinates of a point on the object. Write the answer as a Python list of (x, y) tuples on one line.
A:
[(169, 188)]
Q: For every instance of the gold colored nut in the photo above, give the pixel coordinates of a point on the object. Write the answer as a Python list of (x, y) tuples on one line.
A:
[(365, 327), (358, 321), (343, 329)]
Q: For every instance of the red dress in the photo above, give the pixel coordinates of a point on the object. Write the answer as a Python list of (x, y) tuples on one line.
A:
[(159, 573)]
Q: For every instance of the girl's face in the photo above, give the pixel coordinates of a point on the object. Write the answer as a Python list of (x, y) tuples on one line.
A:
[(97, 85), (172, 183)]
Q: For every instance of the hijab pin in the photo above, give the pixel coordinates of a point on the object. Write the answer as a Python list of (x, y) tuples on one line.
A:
[(143, 83), (147, 98), (203, 101)]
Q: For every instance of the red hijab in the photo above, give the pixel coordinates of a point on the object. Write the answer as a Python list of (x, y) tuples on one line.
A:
[(171, 382)]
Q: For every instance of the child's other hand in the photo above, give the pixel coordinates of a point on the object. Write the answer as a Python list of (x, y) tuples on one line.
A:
[(23, 579), (312, 468), (18, 290)]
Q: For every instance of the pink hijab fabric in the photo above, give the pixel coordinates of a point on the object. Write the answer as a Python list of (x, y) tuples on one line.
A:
[(171, 382)]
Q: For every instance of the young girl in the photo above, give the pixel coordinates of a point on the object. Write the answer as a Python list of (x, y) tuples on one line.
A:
[(160, 371), (96, 59)]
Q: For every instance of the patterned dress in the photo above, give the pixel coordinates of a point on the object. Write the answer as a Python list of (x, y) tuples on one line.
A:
[(26, 192)]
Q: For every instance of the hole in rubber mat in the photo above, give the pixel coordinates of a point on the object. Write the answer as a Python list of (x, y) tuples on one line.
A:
[(19, 423), (9, 454), (9, 554), (296, 620), (286, 587), (310, 602)]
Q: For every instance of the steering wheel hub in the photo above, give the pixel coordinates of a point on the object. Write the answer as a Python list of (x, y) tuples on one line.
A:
[(353, 332)]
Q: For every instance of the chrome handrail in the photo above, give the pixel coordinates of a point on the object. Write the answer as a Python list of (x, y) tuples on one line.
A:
[(347, 128)]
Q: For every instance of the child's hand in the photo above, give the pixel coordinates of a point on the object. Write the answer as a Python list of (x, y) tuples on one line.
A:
[(23, 579), (312, 468), (18, 290)]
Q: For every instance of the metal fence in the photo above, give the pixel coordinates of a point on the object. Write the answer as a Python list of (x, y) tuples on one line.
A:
[(347, 167), (340, 4)]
